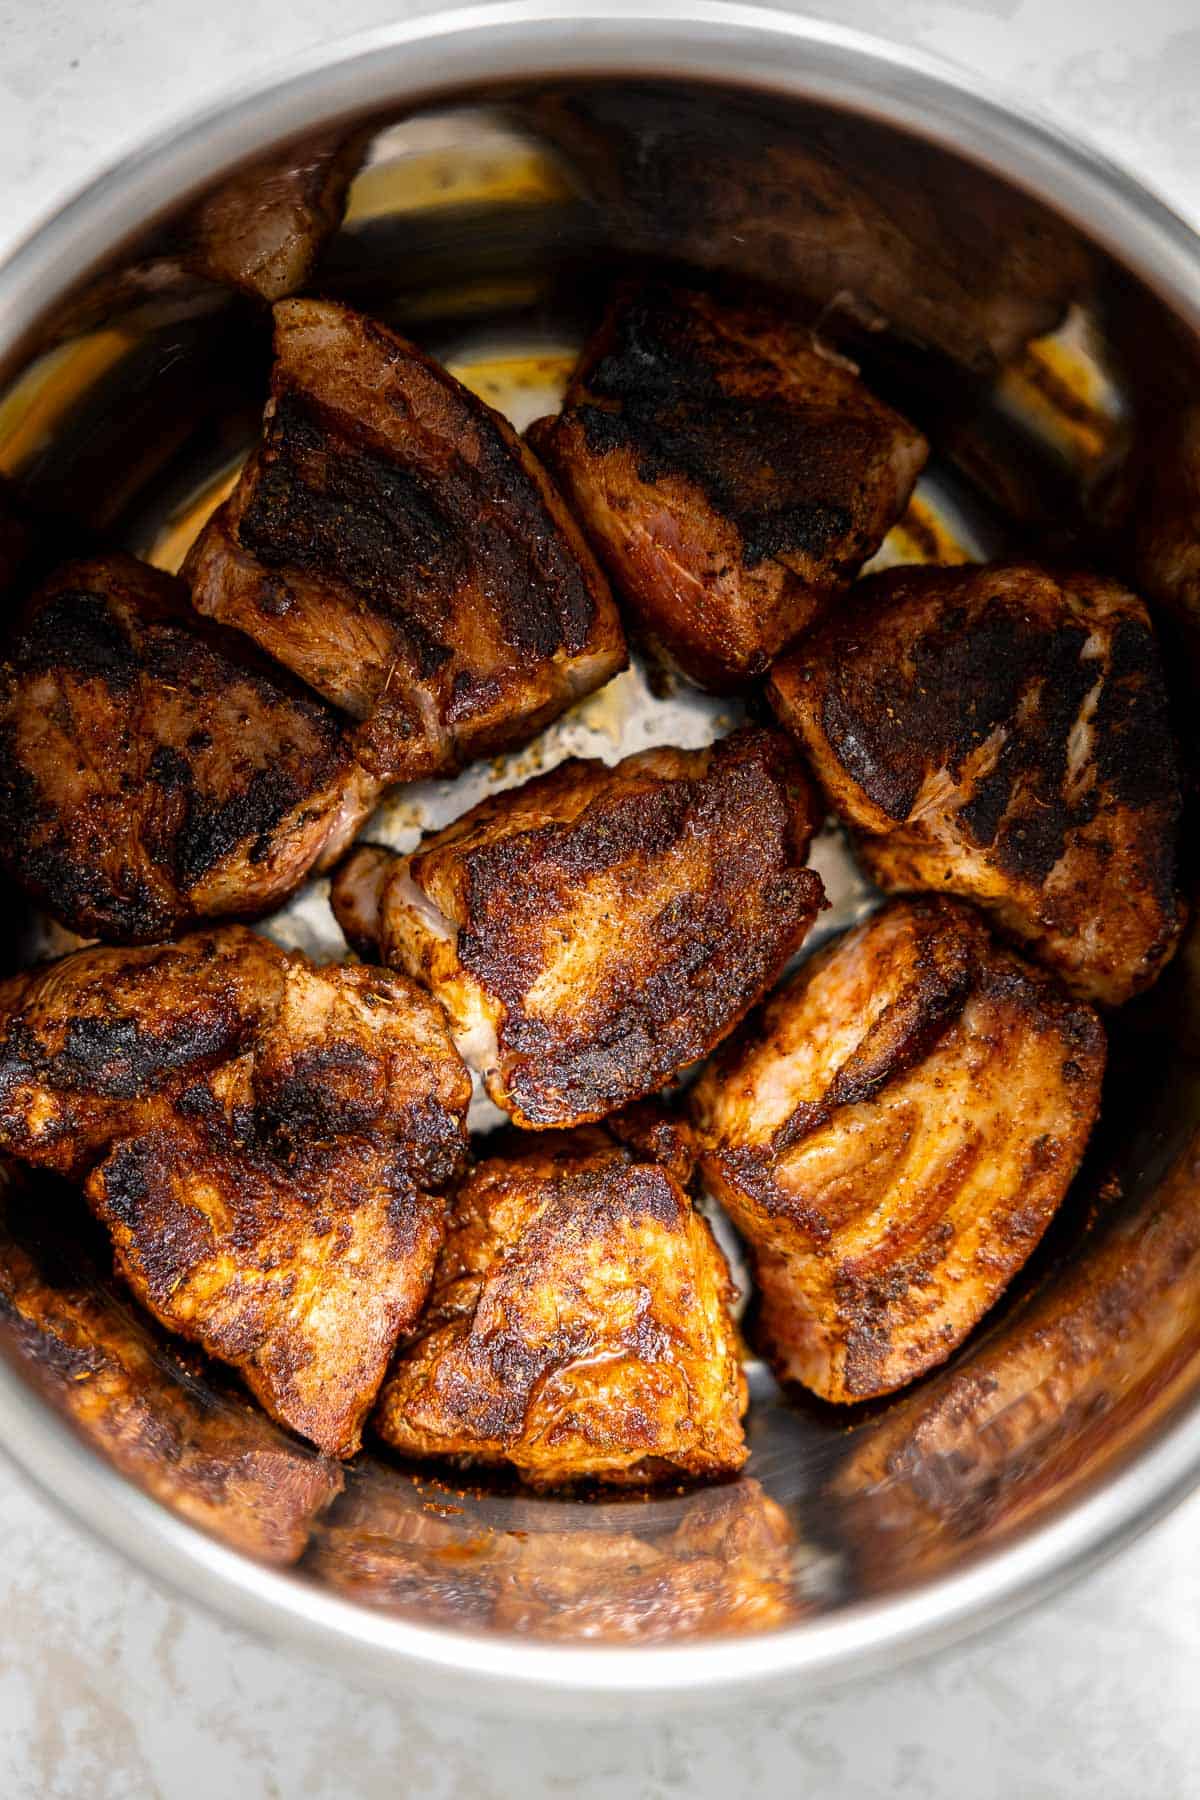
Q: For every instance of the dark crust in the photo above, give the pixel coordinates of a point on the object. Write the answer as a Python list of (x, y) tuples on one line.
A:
[(280, 1222), (121, 1058), (327, 498), (732, 474), (174, 783), (650, 1130), (322, 501), (395, 544), (268, 1128), (769, 473), (111, 1039), (718, 945), (968, 674), (339, 1083), (920, 669)]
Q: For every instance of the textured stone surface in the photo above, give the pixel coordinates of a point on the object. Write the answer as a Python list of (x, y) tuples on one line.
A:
[(111, 1691)]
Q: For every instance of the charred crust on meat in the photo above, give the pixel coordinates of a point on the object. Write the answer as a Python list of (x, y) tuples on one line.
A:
[(323, 501), (1003, 732), (77, 631), (731, 472), (189, 751), (717, 945), (659, 398), (326, 499)]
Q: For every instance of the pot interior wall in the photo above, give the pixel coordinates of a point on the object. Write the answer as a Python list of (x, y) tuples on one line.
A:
[(486, 230)]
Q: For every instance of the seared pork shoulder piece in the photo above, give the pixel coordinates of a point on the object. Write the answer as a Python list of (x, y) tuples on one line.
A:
[(732, 473), (105, 1043), (260, 232), (578, 1325), (207, 1453), (1002, 733), (892, 1136), (266, 1140), (395, 545), (595, 931), (153, 772)]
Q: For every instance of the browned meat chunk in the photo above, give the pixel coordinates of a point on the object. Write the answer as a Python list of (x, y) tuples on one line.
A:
[(302, 1277), (1002, 733), (731, 473), (152, 772), (578, 1326), (261, 232), (596, 930), (103, 1044), (209, 1454), (275, 1137), (892, 1135), (395, 545)]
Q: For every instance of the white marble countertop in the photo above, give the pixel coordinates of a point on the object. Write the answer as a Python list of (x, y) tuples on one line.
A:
[(109, 1690)]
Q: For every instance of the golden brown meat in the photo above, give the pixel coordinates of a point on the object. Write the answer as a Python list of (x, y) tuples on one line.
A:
[(727, 1569), (732, 473), (578, 1326), (206, 1453), (867, 221), (394, 545), (1078, 1377), (274, 1136), (300, 1276), (153, 772), (892, 1135), (596, 930), (1002, 733), (102, 1044)]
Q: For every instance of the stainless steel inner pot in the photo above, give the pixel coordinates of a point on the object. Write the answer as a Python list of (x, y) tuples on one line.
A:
[(512, 159)]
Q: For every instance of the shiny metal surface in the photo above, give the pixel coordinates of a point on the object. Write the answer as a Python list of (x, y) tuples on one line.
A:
[(852, 1539)]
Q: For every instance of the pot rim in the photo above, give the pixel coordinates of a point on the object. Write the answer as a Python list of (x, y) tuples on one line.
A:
[(422, 61)]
